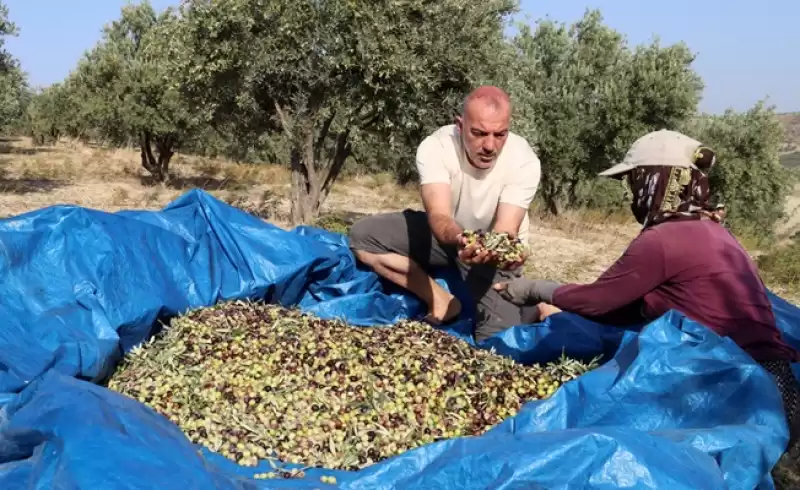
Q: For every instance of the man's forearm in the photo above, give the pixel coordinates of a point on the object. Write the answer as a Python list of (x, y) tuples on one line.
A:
[(445, 229), (509, 218), (510, 230)]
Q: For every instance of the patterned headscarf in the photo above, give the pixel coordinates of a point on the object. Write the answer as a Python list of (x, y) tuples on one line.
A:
[(662, 193)]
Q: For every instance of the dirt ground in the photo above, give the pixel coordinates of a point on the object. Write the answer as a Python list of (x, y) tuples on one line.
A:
[(576, 246), (573, 247), (570, 248)]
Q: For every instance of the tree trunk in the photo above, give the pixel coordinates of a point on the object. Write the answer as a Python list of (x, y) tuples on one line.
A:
[(314, 167), (550, 194), (313, 178), (165, 145), (552, 204), (158, 166), (299, 212), (572, 193)]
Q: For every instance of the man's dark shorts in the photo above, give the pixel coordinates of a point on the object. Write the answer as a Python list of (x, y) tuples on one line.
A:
[(408, 233)]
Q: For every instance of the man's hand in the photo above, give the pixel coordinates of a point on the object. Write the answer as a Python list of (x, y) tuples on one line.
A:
[(508, 220), (471, 254), (519, 263), (527, 292)]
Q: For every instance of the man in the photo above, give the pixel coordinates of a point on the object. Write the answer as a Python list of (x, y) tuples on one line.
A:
[(474, 174)]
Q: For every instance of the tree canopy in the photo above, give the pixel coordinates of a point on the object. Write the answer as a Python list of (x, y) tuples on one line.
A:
[(749, 178), (122, 92), (318, 86), (14, 91), (583, 96), (325, 74)]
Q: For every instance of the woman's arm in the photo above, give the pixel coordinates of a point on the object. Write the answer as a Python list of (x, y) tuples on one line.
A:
[(641, 269)]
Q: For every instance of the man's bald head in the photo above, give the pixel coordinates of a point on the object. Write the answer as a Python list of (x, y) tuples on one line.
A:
[(484, 125), (488, 95)]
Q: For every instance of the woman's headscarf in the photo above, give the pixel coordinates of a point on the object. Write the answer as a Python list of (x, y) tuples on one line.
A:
[(662, 193)]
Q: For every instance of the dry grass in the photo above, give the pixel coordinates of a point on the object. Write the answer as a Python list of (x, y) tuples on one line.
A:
[(792, 224), (576, 246), (76, 174)]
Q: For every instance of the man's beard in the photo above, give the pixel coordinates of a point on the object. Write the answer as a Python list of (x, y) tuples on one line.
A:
[(476, 159)]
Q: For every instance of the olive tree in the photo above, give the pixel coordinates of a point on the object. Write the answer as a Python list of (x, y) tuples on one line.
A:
[(748, 178), (14, 91), (7, 28), (47, 114), (582, 96), (126, 89), (326, 74)]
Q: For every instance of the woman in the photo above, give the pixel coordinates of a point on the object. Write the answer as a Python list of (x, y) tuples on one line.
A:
[(683, 259)]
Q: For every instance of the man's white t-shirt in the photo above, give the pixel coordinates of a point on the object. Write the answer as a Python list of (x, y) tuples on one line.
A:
[(513, 179)]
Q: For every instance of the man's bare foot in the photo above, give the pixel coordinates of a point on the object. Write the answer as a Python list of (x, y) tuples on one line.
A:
[(444, 311)]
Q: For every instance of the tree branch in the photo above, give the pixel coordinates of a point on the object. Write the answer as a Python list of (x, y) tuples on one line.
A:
[(323, 134), (284, 120), (308, 158), (331, 171), (147, 153)]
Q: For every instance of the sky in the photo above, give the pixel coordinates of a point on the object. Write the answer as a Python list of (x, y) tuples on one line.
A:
[(746, 50)]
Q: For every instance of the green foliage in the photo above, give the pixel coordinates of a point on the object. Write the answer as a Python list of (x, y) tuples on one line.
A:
[(332, 223), (124, 91), (14, 97), (782, 265), (582, 96), (14, 91), (312, 85), (7, 28), (52, 112), (329, 75), (749, 178)]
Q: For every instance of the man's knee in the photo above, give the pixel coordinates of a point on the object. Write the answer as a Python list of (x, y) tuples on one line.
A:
[(364, 235), (378, 235)]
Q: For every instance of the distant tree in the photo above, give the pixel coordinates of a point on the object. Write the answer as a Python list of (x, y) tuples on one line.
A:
[(14, 91), (582, 96), (14, 96), (128, 94), (327, 74), (749, 178), (54, 112), (7, 28)]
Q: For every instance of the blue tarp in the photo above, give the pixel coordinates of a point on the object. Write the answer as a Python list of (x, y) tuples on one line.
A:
[(675, 406)]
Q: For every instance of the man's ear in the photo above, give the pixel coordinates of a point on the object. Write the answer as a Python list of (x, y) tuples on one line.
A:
[(459, 122)]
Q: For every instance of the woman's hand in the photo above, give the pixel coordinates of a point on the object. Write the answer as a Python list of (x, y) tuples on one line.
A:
[(527, 292)]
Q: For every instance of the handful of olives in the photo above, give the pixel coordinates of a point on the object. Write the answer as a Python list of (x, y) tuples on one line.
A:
[(504, 250)]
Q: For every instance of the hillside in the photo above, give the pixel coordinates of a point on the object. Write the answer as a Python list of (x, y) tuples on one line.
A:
[(791, 124)]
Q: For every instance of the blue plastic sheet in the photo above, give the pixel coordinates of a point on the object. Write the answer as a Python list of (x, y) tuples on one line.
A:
[(675, 406)]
